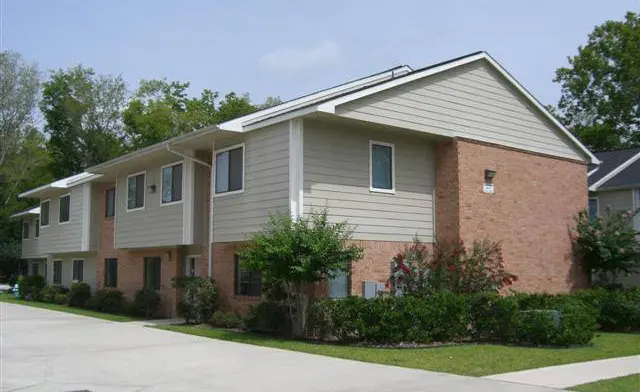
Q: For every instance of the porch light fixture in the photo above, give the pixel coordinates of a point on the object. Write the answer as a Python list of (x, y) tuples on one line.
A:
[(152, 188), (489, 174)]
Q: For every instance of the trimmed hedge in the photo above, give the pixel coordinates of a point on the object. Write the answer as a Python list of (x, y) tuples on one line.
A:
[(146, 303), (268, 317), (30, 287), (79, 294), (108, 301), (536, 319), (50, 293)]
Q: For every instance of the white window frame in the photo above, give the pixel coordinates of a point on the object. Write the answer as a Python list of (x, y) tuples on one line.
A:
[(215, 156), (53, 271), (144, 192), (393, 167), (72, 270), (597, 199), (186, 264), (162, 203), (59, 204), (36, 229), (28, 230), (49, 213)]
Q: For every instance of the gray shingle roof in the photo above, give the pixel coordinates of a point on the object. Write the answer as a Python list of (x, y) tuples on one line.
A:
[(610, 161)]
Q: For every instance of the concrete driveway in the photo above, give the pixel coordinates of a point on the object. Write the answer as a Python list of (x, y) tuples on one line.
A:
[(42, 350)]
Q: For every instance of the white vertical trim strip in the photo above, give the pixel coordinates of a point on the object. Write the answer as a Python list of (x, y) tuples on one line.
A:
[(86, 217), (212, 182), (296, 168), (187, 199), (115, 213)]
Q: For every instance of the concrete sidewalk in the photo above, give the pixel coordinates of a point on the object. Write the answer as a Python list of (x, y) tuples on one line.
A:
[(44, 351), (565, 376)]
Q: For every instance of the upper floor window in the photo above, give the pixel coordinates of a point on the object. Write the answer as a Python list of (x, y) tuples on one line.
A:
[(593, 207), (135, 191), (37, 228), (25, 229), (44, 213), (171, 183), (381, 166), (230, 170), (65, 205), (110, 202)]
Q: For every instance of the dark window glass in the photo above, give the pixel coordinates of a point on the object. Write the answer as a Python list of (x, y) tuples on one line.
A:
[(593, 208), (65, 204), (381, 167), (247, 282), (152, 273), (229, 168), (135, 191), (172, 183), (110, 200), (78, 270), (25, 229), (44, 213), (37, 228), (110, 272), (57, 272)]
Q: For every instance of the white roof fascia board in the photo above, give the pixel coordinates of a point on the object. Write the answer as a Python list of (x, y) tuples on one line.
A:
[(593, 171), (614, 172), (238, 124), (330, 106), (32, 211)]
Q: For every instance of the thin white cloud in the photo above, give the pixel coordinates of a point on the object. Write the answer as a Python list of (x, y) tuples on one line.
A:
[(325, 54)]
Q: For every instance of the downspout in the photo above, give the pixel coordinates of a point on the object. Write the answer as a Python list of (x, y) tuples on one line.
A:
[(203, 163)]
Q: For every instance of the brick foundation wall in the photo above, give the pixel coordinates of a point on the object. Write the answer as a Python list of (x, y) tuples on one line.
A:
[(224, 274), (375, 264), (530, 212)]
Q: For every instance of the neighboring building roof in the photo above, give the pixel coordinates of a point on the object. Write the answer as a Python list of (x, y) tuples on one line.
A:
[(61, 184), (619, 169), (31, 211)]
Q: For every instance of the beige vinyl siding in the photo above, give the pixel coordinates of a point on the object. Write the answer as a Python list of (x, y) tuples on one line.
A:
[(201, 195), (155, 225), (610, 202), (472, 101), (336, 177), (266, 184), (89, 268), (65, 237)]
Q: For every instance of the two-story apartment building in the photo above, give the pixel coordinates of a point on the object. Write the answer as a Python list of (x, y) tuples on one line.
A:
[(457, 150)]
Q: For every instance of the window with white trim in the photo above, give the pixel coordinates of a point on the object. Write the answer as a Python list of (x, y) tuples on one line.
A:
[(25, 230), (57, 272), (65, 205), (230, 170), (37, 227), (44, 213), (135, 191), (192, 266), (78, 270), (381, 165), (171, 183), (593, 207)]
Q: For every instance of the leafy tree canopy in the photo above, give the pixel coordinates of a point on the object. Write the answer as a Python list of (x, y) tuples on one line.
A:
[(601, 87)]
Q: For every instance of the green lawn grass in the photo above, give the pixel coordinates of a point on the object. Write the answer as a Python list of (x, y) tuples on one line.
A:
[(620, 384), (466, 359), (4, 297)]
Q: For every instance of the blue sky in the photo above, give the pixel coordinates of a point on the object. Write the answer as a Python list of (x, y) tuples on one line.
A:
[(290, 48)]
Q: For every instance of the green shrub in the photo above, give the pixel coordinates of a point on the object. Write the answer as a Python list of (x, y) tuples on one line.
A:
[(108, 301), (226, 320), (146, 303), (61, 298), (200, 299), (341, 320), (268, 317), (620, 310), (79, 294), (493, 317), (30, 287), (49, 292), (538, 327)]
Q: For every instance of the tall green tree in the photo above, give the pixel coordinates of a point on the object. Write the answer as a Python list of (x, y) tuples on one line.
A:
[(601, 87), (82, 111), (23, 156)]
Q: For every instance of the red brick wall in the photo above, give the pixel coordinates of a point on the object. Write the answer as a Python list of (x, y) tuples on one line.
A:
[(375, 264), (447, 208), (224, 274), (530, 212)]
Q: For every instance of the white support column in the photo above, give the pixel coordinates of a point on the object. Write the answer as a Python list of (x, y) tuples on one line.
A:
[(188, 179), (296, 168), (212, 184)]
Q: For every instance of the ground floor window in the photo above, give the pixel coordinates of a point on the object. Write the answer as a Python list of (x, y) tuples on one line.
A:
[(78, 270), (246, 282), (35, 269), (110, 272), (192, 266), (339, 285), (152, 273), (57, 272)]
